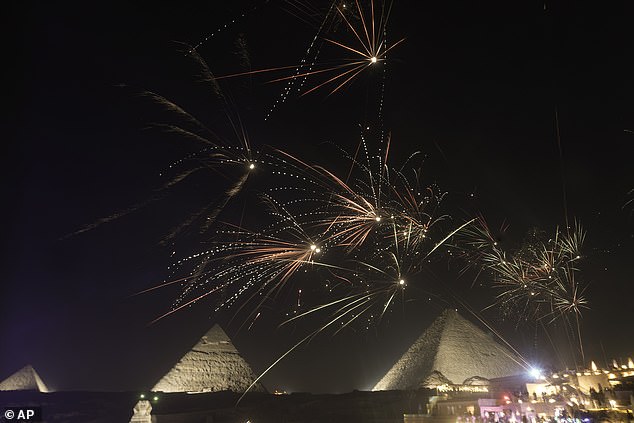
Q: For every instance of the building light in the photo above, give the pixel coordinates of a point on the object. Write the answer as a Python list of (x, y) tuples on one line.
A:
[(535, 373)]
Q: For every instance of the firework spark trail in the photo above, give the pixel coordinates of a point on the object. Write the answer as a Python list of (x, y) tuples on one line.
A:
[(222, 28), (309, 12), (299, 68), (177, 110), (159, 194), (208, 213), (306, 338), (175, 309), (114, 216)]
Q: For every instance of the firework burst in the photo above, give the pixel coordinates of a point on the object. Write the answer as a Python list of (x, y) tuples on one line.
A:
[(364, 238), (537, 282), (359, 31)]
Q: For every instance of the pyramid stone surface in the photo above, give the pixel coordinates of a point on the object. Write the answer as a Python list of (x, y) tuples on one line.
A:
[(435, 379), (213, 364), (25, 379), (454, 348)]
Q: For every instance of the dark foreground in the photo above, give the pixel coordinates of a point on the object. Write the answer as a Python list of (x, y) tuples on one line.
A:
[(220, 407)]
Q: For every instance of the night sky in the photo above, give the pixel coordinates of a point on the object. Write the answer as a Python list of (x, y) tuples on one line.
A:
[(475, 86)]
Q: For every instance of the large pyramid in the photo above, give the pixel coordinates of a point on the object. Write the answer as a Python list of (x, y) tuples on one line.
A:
[(25, 379), (213, 364), (452, 349)]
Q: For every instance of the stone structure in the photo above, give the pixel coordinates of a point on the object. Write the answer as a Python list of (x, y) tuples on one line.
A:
[(25, 379), (213, 364), (142, 412), (451, 349)]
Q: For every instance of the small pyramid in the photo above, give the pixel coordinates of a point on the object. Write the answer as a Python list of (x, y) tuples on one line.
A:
[(454, 348), (213, 364), (25, 379)]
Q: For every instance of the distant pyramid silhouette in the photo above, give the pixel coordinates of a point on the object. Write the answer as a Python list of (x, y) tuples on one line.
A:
[(451, 349), (25, 379), (213, 364)]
